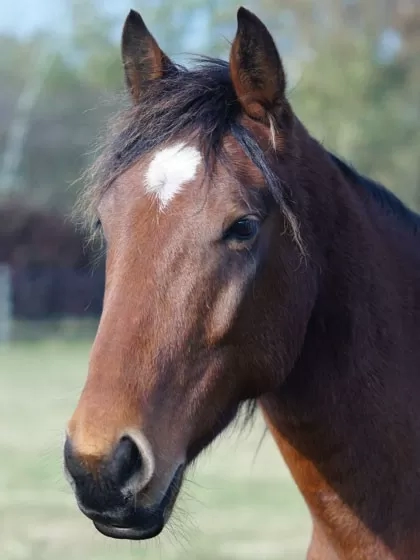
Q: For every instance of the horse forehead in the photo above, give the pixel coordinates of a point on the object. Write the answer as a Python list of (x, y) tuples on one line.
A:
[(170, 169)]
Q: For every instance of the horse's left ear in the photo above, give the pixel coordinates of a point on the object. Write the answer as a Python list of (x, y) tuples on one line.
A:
[(255, 68), (143, 59)]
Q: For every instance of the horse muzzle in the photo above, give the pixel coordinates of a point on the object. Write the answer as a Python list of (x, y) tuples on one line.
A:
[(114, 494)]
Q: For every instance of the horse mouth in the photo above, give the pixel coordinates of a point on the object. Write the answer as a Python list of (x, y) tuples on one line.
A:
[(129, 533), (143, 524)]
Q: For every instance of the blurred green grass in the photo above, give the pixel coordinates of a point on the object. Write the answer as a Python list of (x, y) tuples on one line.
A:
[(238, 503)]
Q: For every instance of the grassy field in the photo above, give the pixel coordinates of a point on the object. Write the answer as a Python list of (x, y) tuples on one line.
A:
[(237, 504)]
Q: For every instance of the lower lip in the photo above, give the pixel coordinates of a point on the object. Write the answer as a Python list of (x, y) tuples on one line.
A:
[(128, 533), (141, 534)]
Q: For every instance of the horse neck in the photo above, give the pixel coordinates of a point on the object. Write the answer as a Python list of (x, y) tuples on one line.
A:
[(342, 419)]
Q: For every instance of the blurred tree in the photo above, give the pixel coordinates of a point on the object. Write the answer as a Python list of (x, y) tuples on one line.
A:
[(92, 46)]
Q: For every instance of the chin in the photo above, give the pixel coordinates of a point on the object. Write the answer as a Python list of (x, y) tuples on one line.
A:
[(138, 523)]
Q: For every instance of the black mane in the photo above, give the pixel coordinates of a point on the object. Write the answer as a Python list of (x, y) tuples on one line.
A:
[(385, 198)]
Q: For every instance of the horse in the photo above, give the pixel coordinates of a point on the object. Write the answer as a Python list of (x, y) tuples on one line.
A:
[(246, 265)]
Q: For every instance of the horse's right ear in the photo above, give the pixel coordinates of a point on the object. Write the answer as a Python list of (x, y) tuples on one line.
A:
[(142, 57)]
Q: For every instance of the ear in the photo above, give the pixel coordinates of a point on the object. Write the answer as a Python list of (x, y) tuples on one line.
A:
[(142, 58), (255, 68)]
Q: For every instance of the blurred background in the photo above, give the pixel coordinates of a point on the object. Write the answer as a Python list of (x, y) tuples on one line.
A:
[(354, 80)]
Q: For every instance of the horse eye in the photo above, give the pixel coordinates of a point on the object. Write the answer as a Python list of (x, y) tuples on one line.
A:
[(244, 229)]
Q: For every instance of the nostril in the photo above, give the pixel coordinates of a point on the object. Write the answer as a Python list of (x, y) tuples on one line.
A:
[(112, 476), (125, 462)]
